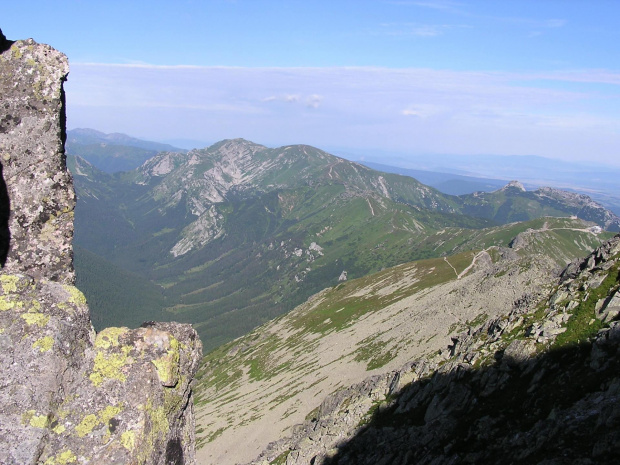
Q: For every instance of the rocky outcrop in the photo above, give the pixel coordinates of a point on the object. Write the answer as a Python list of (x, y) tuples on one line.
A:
[(583, 206), (538, 385), (68, 395), (38, 187)]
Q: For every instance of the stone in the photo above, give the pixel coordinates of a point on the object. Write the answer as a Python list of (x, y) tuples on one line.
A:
[(34, 173), (608, 309), (518, 352)]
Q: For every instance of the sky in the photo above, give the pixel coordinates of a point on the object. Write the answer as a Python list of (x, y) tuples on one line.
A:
[(470, 77)]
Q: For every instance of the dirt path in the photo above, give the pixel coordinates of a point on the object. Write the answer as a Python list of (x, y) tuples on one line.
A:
[(455, 272), (473, 262)]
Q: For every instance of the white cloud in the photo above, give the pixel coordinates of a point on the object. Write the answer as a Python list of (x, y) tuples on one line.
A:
[(423, 111)]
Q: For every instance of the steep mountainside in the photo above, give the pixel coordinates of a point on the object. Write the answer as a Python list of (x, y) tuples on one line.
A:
[(535, 383), (238, 233), (252, 390)]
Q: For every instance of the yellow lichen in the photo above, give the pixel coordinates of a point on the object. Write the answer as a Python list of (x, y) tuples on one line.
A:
[(64, 458), (9, 283), (38, 319), (44, 344), (128, 440), (109, 337), (6, 304), (48, 231), (38, 421), (108, 367), (90, 421), (159, 428), (168, 365), (27, 415), (58, 429), (108, 413), (159, 420), (75, 295), (96, 378), (86, 425), (16, 52)]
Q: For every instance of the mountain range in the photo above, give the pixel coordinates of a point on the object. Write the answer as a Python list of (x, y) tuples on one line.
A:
[(233, 235), (112, 152), (454, 175), (325, 291)]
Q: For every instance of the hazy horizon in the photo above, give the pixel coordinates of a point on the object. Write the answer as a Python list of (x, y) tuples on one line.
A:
[(410, 77)]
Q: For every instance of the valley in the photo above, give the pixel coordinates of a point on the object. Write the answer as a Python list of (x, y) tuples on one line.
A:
[(410, 308), (231, 236), (306, 274)]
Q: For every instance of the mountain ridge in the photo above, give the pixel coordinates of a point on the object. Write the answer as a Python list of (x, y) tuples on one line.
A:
[(537, 384), (364, 327), (112, 152), (193, 222)]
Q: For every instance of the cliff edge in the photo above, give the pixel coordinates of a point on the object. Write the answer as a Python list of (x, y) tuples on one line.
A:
[(68, 395)]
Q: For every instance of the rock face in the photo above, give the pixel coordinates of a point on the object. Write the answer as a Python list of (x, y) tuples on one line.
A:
[(32, 133), (538, 385), (68, 395)]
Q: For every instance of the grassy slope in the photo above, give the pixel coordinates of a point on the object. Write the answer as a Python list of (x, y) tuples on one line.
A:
[(291, 347), (254, 272)]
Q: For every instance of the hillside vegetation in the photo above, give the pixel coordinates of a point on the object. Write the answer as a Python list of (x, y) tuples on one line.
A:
[(281, 371), (535, 383), (237, 234)]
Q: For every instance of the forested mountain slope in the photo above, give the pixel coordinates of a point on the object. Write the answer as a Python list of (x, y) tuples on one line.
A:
[(237, 233)]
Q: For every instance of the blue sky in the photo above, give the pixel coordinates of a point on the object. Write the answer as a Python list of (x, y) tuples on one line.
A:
[(421, 77)]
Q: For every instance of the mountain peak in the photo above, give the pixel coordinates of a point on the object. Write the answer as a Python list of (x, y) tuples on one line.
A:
[(513, 185)]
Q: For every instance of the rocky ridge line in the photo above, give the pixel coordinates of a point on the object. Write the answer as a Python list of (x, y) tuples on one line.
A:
[(68, 395), (539, 385)]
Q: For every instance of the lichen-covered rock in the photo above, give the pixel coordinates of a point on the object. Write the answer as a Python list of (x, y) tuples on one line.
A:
[(133, 401), (39, 187), (68, 395), (45, 333)]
